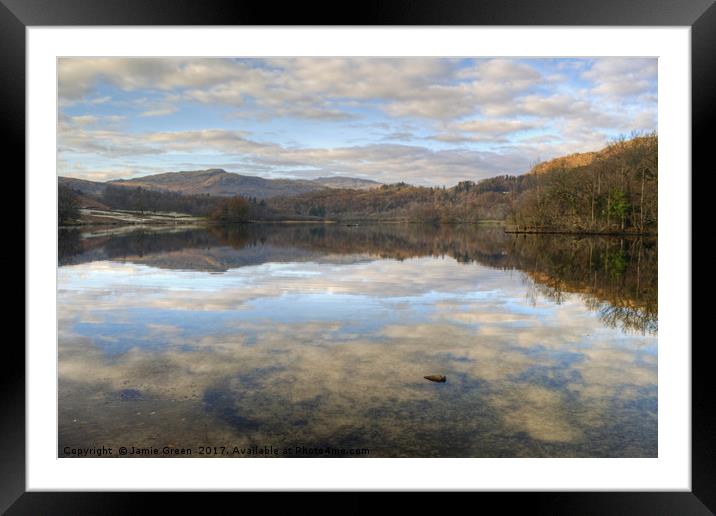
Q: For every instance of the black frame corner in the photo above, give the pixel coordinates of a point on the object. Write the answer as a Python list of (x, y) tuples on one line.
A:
[(17, 15)]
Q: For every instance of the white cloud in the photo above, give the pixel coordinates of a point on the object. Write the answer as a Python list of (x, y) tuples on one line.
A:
[(453, 106), (622, 77), (306, 87)]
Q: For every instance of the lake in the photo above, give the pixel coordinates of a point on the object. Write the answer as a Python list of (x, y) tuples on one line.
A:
[(314, 340)]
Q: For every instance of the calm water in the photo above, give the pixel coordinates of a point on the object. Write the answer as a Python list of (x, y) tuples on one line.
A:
[(312, 337)]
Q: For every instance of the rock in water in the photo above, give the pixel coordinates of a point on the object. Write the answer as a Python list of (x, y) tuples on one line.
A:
[(435, 378)]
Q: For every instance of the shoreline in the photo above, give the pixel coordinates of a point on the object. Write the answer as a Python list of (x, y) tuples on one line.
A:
[(348, 223), (196, 221), (584, 233)]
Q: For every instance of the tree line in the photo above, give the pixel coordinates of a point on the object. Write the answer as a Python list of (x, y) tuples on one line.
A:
[(146, 201), (222, 209), (615, 193), (466, 202)]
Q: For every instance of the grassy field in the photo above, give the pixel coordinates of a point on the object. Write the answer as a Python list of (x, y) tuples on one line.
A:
[(93, 216)]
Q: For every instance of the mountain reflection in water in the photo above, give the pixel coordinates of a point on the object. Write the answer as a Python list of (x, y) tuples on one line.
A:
[(321, 336)]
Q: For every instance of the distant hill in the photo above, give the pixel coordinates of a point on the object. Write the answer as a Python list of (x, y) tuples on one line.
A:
[(91, 188), (218, 182)]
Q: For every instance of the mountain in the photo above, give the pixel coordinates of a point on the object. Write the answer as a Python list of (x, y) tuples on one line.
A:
[(218, 182)]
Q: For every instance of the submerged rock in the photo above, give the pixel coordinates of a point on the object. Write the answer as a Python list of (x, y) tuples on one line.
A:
[(130, 394), (435, 378)]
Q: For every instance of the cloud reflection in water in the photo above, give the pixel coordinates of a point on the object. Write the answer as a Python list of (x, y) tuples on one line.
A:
[(331, 349)]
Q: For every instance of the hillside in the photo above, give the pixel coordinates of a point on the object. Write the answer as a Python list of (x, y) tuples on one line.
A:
[(582, 159), (614, 190), (578, 159)]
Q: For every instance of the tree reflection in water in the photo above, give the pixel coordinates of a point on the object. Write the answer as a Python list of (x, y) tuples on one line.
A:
[(615, 276)]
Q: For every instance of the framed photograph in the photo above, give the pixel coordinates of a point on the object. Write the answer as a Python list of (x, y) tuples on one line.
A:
[(416, 249)]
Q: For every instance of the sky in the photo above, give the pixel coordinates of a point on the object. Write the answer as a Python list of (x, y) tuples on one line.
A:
[(425, 121)]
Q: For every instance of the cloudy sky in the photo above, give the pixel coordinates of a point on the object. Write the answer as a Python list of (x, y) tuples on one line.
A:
[(430, 121)]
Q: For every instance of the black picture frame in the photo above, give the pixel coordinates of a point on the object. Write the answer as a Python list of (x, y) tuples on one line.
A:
[(16, 15)]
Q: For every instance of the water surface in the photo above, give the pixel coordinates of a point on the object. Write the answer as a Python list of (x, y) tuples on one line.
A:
[(310, 338)]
